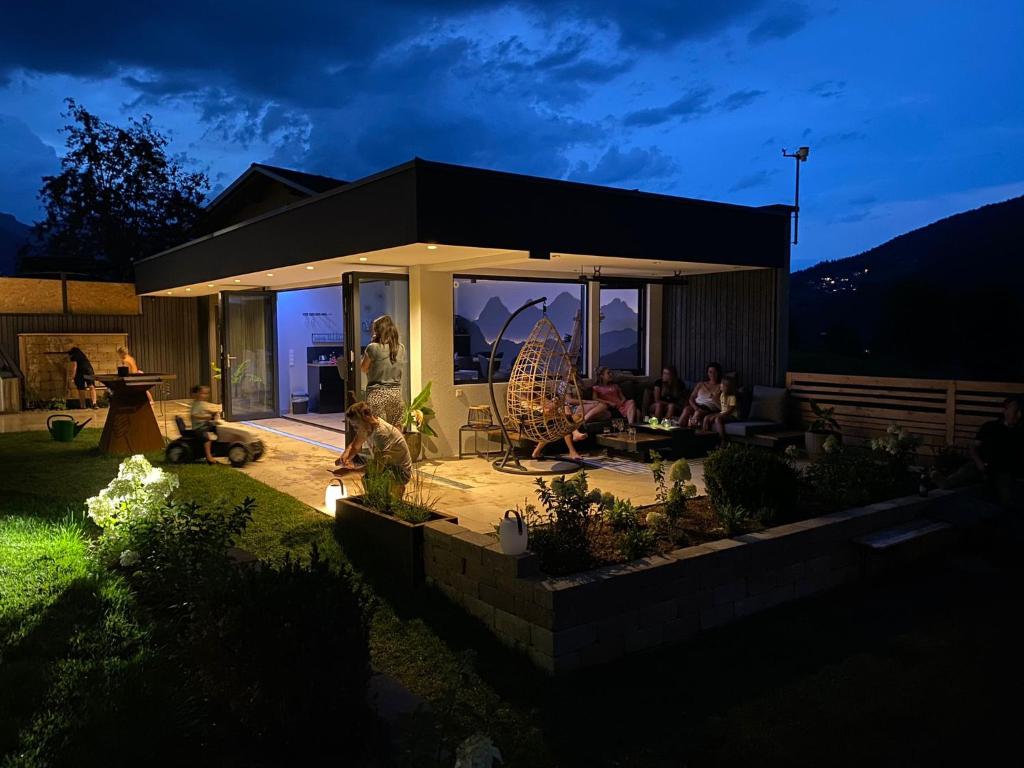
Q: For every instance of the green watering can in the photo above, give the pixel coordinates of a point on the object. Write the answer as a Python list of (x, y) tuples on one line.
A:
[(63, 428)]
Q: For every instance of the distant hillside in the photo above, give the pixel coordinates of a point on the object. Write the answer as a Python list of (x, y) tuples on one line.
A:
[(941, 301), (13, 235)]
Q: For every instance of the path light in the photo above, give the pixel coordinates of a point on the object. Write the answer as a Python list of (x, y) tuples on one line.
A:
[(335, 491)]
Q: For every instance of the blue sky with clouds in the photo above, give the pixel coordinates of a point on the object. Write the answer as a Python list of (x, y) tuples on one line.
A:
[(913, 110)]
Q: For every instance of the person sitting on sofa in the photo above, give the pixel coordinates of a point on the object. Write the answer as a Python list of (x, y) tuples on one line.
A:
[(668, 394), (704, 399), (728, 407), (610, 393)]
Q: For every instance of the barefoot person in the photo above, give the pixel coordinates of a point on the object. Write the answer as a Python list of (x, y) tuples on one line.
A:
[(610, 393), (204, 419), (385, 441), (704, 399), (668, 394), (382, 363), (728, 402), (82, 376)]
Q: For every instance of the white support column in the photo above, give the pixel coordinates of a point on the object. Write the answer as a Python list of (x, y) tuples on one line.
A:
[(593, 326), (653, 326)]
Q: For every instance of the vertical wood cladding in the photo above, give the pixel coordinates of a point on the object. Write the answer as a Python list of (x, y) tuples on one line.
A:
[(736, 318), (164, 338)]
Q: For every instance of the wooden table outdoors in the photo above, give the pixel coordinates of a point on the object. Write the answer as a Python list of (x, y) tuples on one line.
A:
[(131, 423), (641, 444)]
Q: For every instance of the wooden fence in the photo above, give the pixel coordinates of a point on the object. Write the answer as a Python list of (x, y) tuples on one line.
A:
[(939, 411)]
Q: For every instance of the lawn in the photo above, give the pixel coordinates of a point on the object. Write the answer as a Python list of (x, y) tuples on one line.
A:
[(910, 672)]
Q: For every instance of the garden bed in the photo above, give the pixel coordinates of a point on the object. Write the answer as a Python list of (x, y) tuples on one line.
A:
[(568, 622)]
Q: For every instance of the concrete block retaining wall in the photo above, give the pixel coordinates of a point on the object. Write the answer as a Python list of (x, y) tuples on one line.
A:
[(570, 622)]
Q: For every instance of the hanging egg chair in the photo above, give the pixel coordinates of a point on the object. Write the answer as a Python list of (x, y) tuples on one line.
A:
[(542, 391)]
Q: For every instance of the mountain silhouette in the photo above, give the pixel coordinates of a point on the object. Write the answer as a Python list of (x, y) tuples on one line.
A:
[(13, 235), (940, 301), (492, 317), (616, 315)]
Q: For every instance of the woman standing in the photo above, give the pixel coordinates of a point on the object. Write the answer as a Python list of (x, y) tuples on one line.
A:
[(382, 363)]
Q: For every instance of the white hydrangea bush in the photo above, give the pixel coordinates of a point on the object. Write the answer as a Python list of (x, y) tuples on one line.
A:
[(139, 491)]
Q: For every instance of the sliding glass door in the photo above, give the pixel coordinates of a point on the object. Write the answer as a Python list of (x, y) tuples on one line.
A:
[(368, 296), (248, 354)]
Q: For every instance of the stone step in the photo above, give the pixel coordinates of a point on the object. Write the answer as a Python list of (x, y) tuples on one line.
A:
[(902, 534)]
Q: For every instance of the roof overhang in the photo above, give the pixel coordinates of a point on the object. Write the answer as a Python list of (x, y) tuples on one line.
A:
[(396, 216)]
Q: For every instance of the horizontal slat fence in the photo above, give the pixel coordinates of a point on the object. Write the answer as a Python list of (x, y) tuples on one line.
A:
[(939, 411)]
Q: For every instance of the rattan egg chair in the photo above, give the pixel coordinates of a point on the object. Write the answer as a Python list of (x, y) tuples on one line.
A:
[(541, 384)]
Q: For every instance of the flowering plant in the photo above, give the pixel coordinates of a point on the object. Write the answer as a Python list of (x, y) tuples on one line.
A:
[(139, 491), (416, 414), (896, 443)]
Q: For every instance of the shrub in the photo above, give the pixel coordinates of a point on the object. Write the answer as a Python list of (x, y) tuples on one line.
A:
[(733, 518), (378, 481), (896, 446), (561, 533), (672, 492), (751, 478), (621, 514), (851, 478), (636, 542), (131, 500)]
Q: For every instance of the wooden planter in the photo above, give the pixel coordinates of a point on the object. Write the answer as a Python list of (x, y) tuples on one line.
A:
[(384, 542)]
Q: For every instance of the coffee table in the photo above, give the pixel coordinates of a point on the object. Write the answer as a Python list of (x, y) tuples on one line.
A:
[(641, 444)]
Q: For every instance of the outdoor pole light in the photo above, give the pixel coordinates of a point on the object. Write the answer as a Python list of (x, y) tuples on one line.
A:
[(335, 491), (801, 157)]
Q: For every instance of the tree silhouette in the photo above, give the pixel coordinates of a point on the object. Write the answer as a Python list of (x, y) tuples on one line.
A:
[(119, 197)]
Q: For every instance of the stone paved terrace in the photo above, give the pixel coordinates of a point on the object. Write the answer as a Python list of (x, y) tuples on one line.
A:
[(468, 488)]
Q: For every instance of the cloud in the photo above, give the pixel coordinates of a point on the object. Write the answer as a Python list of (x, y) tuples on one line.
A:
[(739, 99), (842, 137), (787, 21), (25, 160), (828, 89), (616, 166), (756, 179), (686, 107), (862, 200)]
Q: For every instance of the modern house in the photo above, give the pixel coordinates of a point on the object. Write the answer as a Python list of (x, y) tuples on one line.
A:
[(293, 268)]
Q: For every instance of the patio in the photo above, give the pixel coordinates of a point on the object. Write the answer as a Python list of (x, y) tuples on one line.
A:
[(297, 464)]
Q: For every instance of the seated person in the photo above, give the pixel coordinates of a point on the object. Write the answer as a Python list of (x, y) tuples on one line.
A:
[(997, 455), (385, 441), (610, 393), (668, 394), (578, 414), (204, 419), (704, 399), (727, 406)]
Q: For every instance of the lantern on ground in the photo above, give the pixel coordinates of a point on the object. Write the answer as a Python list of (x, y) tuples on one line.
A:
[(335, 491), (512, 533)]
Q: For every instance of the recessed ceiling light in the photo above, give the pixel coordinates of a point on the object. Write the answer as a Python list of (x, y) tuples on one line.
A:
[(169, 293), (310, 267), (238, 281), (431, 247), (209, 285), (270, 274), (188, 290), (362, 258)]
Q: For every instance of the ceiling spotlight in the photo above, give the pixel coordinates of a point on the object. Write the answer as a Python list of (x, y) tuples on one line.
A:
[(431, 247), (238, 281), (188, 290), (310, 267), (169, 293), (362, 258), (270, 274), (209, 285)]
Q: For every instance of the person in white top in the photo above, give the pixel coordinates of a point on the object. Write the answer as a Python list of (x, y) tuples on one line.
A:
[(704, 399)]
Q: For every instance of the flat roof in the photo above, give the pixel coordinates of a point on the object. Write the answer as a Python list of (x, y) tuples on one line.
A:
[(422, 201)]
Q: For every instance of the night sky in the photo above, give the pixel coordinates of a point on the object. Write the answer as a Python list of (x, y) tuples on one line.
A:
[(912, 110)]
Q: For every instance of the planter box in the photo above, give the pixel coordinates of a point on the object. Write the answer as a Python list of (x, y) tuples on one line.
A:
[(387, 542), (569, 622)]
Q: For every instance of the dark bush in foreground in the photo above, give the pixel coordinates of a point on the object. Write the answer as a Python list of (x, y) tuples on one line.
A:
[(760, 482)]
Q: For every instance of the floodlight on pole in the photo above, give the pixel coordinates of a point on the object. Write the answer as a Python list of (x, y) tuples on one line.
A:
[(801, 157)]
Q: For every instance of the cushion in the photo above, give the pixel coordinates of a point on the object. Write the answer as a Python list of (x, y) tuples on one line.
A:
[(748, 428), (768, 404)]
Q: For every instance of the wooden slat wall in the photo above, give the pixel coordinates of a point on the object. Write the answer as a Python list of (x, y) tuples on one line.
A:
[(164, 338), (734, 318), (939, 411)]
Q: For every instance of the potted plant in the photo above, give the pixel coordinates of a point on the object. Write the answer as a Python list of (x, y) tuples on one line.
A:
[(822, 428), (415, 420), (386, 531)]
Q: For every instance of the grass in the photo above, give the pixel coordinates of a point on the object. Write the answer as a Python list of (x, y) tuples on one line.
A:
[(913, 672)]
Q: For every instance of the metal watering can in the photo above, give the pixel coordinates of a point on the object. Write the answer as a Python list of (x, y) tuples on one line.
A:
[(63, 428)]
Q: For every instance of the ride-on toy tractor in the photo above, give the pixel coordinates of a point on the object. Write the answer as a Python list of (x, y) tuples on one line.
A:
[(239, 445)]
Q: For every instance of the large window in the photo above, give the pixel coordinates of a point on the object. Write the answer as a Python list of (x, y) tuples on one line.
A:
[(482, 305), (622, 328)]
